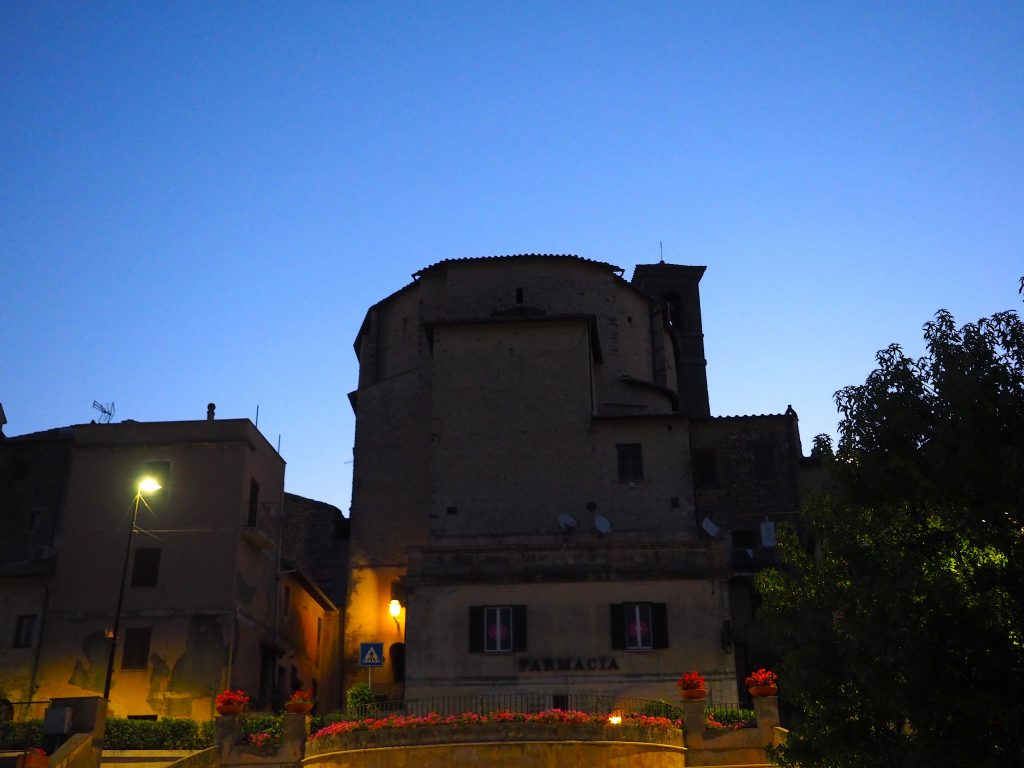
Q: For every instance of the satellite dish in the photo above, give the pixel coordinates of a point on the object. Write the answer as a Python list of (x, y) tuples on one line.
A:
[(603, 524), (568, 522)]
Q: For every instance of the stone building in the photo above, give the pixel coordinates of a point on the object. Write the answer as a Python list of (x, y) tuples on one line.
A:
[(539, 484), (208, 601)]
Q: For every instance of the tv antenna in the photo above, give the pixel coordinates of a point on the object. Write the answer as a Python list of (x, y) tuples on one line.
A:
[(106, 411)]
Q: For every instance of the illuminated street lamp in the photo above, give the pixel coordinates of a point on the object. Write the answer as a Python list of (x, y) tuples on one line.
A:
[(395, 609), (146, 485)]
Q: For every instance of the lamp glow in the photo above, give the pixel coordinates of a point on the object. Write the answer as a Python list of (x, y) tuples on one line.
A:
[(395, 609), (614, 719), (148, 485)]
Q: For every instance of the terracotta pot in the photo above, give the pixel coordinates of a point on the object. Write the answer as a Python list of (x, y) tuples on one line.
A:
[(230, 709), (32, 760), (763, 690), (696, 694), (300, 707)]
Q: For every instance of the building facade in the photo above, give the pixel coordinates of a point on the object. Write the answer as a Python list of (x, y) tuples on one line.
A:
[(208, 602), (526, 436)]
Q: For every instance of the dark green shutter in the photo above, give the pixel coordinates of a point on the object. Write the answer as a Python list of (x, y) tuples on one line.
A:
[(659, 620), (518, 627), (476, 629), (618, 624)]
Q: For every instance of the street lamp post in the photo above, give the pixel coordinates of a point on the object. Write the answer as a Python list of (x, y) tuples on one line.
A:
[(146, 485)]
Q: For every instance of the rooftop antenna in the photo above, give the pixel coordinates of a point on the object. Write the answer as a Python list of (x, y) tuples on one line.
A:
[(661, 251), (106, 411)]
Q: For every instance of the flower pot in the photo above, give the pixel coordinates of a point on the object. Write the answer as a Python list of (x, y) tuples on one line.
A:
[(298, 707), (695, 694), (32, 760), (763, 690), (230, 709)]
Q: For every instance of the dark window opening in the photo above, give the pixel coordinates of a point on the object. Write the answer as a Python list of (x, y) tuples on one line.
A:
[(705, 468), (764, 461), (674, 305), (34, 516), (560, 701), (631, 461), (673, 502), (452, 510), (519, 295), (25, 631), (744, 539), (136, 648), (254, 503), (146, 567), (497, 629), (639, 626)]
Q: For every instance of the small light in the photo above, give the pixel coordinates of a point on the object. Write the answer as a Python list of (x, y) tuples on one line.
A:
[(148, 485), (395, 608), (614, 719)]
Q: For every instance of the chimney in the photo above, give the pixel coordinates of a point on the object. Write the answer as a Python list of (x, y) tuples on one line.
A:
[(209, 411)]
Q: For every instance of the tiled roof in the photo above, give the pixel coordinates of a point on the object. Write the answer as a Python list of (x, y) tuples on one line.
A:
[(566, 256)]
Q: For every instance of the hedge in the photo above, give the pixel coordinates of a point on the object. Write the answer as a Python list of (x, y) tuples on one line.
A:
[(28, 733), (168, 733)]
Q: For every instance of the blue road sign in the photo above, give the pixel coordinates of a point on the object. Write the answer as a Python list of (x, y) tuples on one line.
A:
[(371, 654)]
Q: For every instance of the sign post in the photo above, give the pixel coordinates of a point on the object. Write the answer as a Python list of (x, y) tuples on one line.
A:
[(371, 655)]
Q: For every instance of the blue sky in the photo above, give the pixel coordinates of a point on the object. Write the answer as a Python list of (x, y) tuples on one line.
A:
[(199, 201)]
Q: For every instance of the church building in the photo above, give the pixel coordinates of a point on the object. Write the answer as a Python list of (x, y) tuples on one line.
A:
[(542, 502)]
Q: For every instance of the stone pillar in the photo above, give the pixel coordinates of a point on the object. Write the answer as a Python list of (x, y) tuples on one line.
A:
[(767, 710), (693, 721), (225, 729), (295, 730)]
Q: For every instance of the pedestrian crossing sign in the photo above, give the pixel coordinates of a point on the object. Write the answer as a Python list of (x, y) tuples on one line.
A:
[(371, 654)]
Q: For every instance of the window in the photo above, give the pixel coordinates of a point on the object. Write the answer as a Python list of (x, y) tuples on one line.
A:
[(744, 539), (25, 631), (639, 626), (764, 461), (674, 305), (159, 471), (631, 461), (705, 468), (136, 648), (497, 629), (254, 503), (35, 516), (146, 567)]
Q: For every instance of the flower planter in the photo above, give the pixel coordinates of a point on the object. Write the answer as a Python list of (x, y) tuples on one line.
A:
[(229, 709), (763, 690), (494, 733), (694, 694), (33, 760), (298, 707)]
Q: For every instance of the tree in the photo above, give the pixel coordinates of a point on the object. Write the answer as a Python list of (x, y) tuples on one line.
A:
[(899, 611)]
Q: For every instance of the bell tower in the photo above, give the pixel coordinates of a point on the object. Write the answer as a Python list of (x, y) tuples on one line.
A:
[(678, 289)]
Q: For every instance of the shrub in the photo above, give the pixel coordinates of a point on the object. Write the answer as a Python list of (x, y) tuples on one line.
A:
[(359, 698), (167, 733), (20, 735), (662, 708), (729, 717), (271, 725)]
